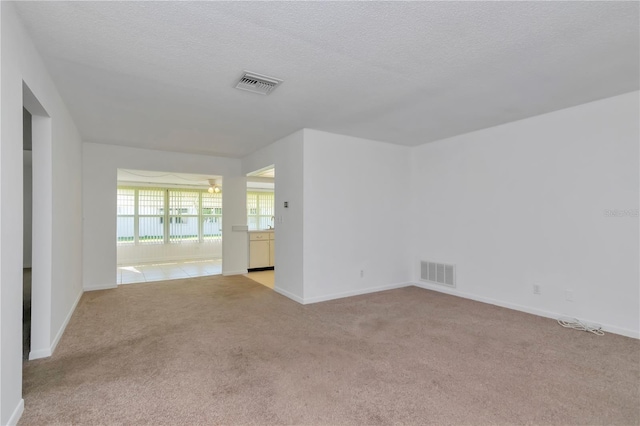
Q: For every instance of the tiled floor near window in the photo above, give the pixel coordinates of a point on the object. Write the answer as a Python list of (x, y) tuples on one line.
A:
[(168, 271)]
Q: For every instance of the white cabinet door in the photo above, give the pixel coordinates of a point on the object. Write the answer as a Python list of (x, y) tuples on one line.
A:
[(272, 253), (259, 254)]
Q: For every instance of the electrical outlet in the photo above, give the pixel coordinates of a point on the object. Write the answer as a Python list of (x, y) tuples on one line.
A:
[(361, 273), (536, 289), (568, 295)]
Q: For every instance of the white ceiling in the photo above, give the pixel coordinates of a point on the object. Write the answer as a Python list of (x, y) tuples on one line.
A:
[(160, 74)]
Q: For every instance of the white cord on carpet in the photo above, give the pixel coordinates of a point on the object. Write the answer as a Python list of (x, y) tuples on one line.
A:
[(576, 324)]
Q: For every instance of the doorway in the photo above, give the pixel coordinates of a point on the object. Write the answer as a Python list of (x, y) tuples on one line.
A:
[(169, 226), (27, 209), (37, 240), (261, 225)]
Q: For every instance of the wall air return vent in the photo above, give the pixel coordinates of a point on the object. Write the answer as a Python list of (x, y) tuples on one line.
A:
[(257, 83), (439, 273)]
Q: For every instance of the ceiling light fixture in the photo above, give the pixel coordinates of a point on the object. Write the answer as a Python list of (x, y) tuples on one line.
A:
[(214, 188)]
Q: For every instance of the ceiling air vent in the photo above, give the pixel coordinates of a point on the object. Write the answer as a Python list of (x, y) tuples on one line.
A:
[(257, 83)]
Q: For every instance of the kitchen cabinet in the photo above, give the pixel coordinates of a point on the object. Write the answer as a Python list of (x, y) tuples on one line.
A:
[(272, 249), (261, 249)]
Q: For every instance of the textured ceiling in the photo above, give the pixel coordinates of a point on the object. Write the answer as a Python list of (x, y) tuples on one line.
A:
[(161, 74)]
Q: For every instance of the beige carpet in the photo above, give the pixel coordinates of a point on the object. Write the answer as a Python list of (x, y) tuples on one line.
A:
[(226, 350)]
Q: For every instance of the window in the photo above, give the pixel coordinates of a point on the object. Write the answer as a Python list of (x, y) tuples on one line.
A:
[(183, 215), (151, 216), (260, 210), (211, 216), (161, 216), (126, 215)]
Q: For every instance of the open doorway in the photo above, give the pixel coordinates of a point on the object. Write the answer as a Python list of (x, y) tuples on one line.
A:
[(27, 209), (37, 236), (261, 224), (169, 226)]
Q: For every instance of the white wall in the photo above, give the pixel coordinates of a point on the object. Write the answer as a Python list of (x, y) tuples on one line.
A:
[(20, 63), (130, 254), (524, 203), (286, 154), (99, 186), (234, 213), (356, 216), (331, 229)]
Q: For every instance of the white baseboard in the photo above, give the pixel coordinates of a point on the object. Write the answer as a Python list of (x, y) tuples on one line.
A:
[(534, 311), (65, 323), (240, 272), (47, 352), (39, 353), (341, 295), (101, 287), (17, 413), (291, 296), (617, 330)]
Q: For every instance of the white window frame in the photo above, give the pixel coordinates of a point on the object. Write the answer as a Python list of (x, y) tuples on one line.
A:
[(268, 217), (167, 215)]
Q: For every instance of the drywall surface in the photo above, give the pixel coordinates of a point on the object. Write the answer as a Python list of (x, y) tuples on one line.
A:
[(234, 212), (129, 254), (356, 220), (21, 64), (550, 200), (286, 156), (99, 186)]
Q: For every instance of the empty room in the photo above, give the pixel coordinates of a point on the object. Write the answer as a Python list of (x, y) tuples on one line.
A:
[(319, 213)]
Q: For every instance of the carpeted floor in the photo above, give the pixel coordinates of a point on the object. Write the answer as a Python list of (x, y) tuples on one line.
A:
[(227, 350)]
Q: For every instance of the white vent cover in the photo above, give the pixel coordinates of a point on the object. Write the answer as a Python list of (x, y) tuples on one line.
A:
[(256, 83), (439, 273)]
